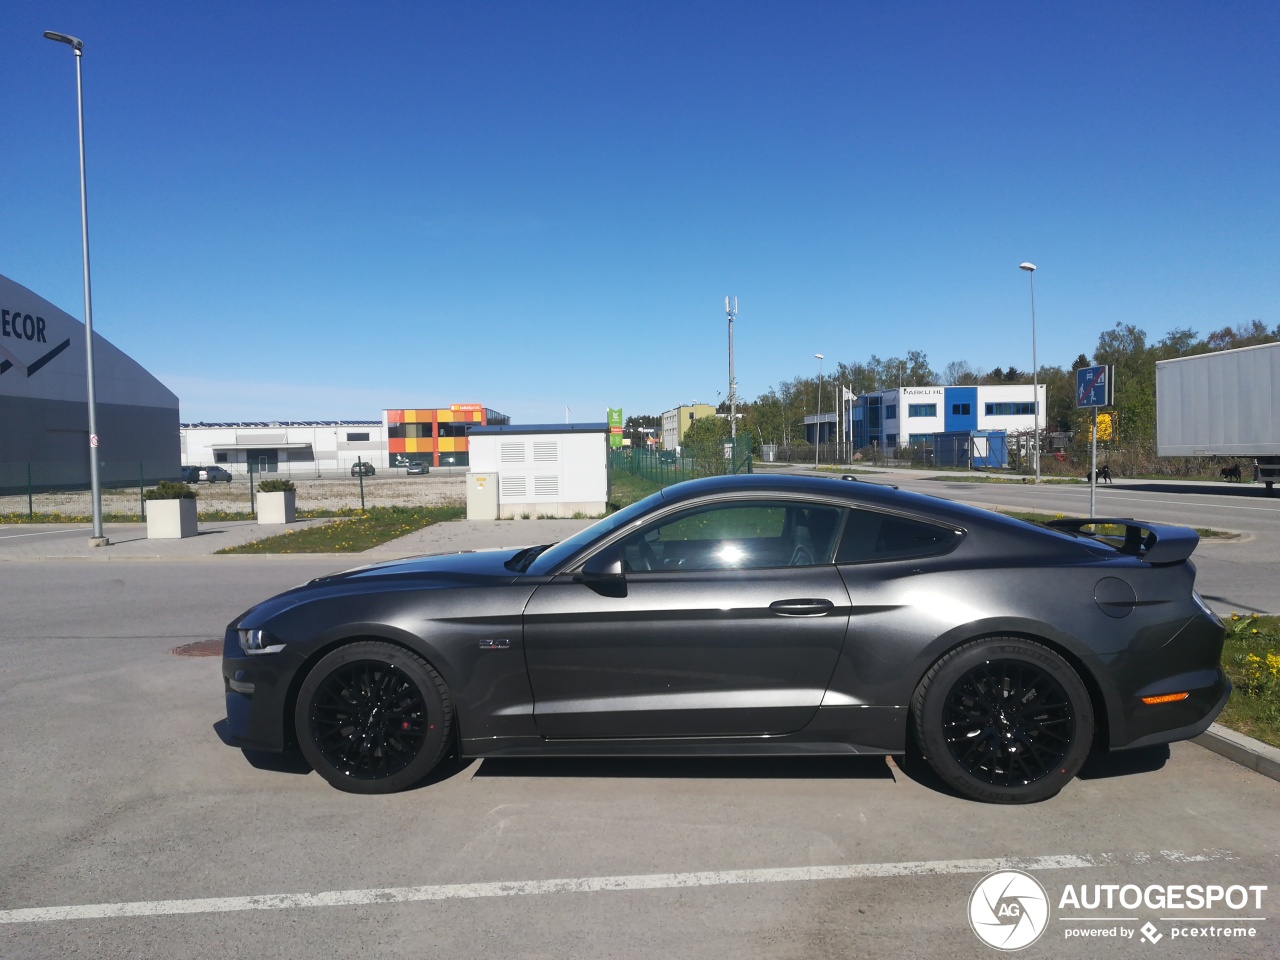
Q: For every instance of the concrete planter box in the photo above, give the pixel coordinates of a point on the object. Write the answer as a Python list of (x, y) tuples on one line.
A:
[(171, 519), (276, 507)]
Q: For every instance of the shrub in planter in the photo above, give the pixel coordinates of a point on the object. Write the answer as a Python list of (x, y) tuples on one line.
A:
[(170, 490), (276, 501), (171, 511)]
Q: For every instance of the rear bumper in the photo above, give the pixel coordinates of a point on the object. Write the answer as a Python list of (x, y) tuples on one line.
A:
[(1183, 720)]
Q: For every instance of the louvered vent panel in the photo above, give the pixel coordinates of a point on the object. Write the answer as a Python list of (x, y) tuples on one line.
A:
[(546, 486), (511, 452), (546, 451), (513, 488)]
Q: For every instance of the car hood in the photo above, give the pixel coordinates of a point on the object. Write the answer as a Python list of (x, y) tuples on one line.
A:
[(434, 572), (442, 569)]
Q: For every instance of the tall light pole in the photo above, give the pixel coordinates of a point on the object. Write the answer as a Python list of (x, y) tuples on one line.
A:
[(817, 420), (732, 313), (1035, 373), (96, 538)]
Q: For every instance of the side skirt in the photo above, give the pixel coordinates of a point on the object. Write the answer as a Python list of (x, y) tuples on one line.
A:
[(834, 731)]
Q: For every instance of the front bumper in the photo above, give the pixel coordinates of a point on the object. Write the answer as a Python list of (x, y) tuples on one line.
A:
[(257, 691)]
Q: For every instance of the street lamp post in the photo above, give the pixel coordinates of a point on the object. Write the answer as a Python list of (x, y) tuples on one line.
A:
[(817, 420), (1035, 373), (96, 538)]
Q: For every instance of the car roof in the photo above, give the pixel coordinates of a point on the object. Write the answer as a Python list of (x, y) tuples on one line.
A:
[(861, 492)]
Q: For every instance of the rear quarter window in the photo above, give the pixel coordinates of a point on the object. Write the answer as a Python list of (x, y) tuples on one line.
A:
[(870, 536)]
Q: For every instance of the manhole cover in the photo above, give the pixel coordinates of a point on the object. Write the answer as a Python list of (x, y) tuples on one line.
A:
[(201, 648)]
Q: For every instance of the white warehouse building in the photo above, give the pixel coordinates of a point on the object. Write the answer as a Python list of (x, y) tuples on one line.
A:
[(291, 448)]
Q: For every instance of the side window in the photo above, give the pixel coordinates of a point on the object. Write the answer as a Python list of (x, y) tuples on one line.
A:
[(736, 536), (869, 535)]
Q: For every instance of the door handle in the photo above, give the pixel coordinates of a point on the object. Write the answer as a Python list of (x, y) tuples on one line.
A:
[(802, 608)]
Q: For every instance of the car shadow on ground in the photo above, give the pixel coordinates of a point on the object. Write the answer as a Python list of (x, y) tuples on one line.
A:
[(277, 762), (1124, 763), (1100, 766), (691, 768), (296, 763)]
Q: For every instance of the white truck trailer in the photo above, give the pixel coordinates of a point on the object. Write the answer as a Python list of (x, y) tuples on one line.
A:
[(1223, 404)]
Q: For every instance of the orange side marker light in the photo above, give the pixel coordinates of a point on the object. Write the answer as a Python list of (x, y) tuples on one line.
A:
[(1165, 698)]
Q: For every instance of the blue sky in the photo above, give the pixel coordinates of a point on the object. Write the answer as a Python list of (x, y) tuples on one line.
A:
[(320, 210)]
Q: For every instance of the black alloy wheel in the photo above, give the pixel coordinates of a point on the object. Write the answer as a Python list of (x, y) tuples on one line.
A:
[(1004, 720), (1008, 723), (372, 717)]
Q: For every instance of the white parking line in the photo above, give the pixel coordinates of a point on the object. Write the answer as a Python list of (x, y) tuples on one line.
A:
[(520, 888), (42, 533)]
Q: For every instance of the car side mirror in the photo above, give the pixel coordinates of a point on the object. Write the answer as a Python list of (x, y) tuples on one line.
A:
[(603, 573)]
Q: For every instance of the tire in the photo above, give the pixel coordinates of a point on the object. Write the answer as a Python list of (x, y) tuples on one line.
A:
[(373, 717), (983, 746)]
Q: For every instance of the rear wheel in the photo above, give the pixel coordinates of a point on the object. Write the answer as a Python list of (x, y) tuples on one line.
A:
[(373, 717), (1004, 720)]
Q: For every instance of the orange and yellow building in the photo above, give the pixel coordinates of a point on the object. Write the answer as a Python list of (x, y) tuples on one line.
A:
[(436, 436)]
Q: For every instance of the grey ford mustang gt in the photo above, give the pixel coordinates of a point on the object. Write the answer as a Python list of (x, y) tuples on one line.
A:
[(739, 616)]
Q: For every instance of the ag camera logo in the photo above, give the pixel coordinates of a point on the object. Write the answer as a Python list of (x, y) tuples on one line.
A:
[(1009, 910)]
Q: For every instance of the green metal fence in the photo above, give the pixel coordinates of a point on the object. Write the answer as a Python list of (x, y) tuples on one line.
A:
[(664, 467), (35, 487)]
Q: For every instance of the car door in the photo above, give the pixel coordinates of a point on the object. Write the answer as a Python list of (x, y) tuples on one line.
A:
[(888, 562), (727, 619)]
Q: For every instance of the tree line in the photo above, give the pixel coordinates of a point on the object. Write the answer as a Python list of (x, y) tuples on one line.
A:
[(777, 416)]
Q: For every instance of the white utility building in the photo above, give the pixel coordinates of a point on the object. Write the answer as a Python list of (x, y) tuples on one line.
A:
[(538, 470)]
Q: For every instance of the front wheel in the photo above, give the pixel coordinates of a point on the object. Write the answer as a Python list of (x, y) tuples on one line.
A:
[(1004, 720), (373, 717)]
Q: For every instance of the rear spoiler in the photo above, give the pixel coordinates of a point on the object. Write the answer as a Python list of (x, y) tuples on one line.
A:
[(1152, 542)]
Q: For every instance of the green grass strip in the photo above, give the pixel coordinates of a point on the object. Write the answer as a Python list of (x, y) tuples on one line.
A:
[(626, 488), (354, 532), (1206, 533), (1251, 657)]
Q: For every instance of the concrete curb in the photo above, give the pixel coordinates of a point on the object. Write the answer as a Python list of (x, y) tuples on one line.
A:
[(1246, 751)]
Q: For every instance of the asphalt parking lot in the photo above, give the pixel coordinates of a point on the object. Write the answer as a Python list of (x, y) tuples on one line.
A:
[(129, 830)]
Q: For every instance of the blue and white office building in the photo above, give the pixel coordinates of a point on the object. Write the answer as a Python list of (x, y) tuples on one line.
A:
[(912, 416)]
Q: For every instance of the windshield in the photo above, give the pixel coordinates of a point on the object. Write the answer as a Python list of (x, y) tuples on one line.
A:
[(555, 555)]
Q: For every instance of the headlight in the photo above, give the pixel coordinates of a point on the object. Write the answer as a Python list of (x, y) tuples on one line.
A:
[(254, 642)]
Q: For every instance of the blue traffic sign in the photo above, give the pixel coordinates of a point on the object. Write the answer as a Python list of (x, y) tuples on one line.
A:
[(1093, 386)]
